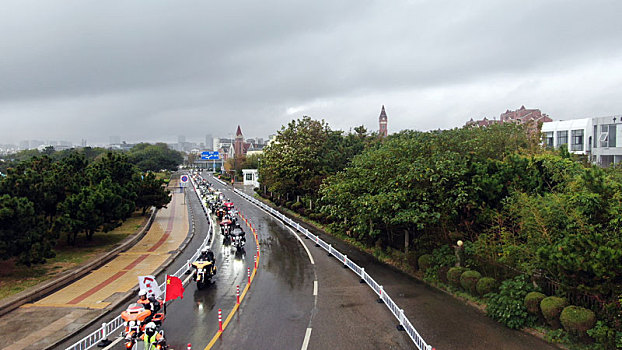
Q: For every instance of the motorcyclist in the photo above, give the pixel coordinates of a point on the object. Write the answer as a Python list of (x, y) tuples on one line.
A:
[(206, 255), (149, 302), (151, 337)]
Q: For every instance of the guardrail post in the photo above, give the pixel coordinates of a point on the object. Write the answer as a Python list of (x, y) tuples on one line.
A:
[(380, 301), (104, 342), (317, 240), (188, 269), (362, 280), (400, 327), (330, 247), (345, 261), (248, 272), (189, 346), (237, 294)]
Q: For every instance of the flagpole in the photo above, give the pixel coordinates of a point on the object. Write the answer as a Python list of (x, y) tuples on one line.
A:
[(165, 284)]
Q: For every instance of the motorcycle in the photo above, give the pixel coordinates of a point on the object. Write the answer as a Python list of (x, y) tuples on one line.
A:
[(204, 271), (238, 239), (136, 316), (220, 212)]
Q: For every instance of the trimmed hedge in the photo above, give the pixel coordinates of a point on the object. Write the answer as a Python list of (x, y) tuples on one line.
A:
[(577, 320), (469, 279), (425, 262), (453, 275), (532, 302), (551, 308), (486, 285)]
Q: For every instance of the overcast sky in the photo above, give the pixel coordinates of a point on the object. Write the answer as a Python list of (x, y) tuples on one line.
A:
[(151, 70)]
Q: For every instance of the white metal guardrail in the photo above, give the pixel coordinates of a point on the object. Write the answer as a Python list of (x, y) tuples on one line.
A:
[(108, 328), (360, 271)]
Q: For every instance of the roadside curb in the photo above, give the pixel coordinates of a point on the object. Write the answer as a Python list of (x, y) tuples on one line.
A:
[(134, 290), (71, 276)]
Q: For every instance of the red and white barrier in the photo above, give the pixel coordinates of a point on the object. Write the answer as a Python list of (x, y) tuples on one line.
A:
[(220, 320)]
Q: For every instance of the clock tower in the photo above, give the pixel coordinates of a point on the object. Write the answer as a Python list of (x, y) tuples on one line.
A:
[(382, 131)]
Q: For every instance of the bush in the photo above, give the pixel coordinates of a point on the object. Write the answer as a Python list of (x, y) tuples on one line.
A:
[(316, 216), (442, 259), (469, 279), (289, 204), (508, 306), (296, 205), (605, 336), (486, 285), (551, 308), (425, 261), (532, 302), (453, 275), (577, 320)]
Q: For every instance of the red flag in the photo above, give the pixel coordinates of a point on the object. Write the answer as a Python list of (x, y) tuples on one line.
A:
[(174, 288)]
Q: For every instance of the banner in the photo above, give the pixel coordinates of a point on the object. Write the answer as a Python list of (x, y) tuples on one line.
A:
[(150, 284)]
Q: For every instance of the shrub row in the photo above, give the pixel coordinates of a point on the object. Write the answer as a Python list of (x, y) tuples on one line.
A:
[(471, 281), (556, 311)]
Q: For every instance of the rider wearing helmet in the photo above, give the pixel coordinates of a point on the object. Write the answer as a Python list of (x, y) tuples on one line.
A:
[(206, 255), (148, 302), (151, 337)]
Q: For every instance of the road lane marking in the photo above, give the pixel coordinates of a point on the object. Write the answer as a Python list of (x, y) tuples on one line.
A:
[(305, 343), (315, 288), (115, 342), (303, 244)]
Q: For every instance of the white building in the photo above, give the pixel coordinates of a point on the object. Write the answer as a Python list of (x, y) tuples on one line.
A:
[(593, 137), (251, 177), (573, 134)]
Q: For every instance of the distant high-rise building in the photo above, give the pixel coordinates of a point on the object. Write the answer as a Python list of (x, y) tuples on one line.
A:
[(209, 142), (115, 140), (83, 143), (382, 121)]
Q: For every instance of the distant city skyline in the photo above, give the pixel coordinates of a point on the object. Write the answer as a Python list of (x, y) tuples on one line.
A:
[(90, 70)]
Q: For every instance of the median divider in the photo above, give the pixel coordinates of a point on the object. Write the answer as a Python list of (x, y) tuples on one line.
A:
[(383, 297)]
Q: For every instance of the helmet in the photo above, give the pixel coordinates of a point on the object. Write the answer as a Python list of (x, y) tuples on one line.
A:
[(150, 328), (204, 251), (142, 293)]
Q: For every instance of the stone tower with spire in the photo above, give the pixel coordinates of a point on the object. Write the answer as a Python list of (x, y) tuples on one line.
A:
[(238, 144), (382, 120)]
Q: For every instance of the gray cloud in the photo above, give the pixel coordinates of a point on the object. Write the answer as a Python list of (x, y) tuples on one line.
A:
[(153, 70)]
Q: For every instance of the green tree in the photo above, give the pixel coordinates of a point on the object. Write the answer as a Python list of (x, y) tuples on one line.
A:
[(303, 154), (148, 157), (22, 233), (151, 192)]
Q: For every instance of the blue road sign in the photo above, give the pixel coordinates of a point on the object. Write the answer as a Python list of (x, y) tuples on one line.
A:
[(210, 155)]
